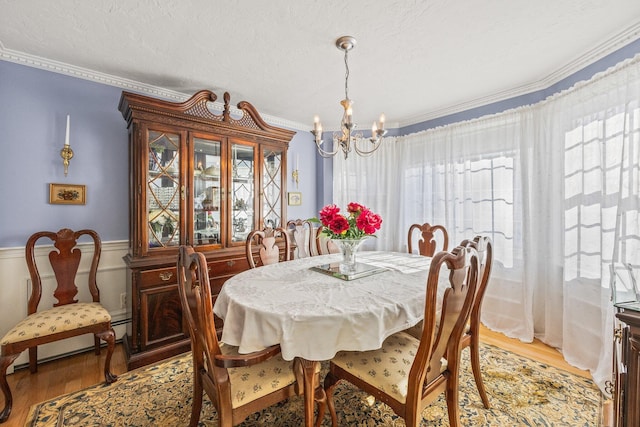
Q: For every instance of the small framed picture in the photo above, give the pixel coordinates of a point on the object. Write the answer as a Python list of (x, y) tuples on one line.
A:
[(295, 198), (67, 194)]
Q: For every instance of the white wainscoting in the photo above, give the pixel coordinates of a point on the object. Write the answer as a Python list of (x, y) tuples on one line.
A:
[(15, 287)]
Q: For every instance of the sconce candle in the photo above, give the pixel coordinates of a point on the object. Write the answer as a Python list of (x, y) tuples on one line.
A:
[(295, 174), (66, 138), (66, 153)]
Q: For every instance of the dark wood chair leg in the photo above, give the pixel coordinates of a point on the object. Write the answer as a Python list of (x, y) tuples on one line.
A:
[(196, 405), (330, 382), (5, 362), (33, 359), (110, 338), (474, 349), (451, 396), (320, 398), (96, 345)]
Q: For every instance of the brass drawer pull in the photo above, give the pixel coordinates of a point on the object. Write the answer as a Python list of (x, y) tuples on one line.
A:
[(610, 386), (231, 263), (165, 276)]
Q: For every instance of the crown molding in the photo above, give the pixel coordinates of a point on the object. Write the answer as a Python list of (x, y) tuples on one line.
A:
[(123, 83), (597, 53)]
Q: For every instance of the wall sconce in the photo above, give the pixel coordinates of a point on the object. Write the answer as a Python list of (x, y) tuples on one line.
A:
[(66, 153), (295, 175)]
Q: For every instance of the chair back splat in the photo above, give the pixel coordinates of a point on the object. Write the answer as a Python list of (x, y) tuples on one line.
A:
[(408, 373), (301, 235), (268, 243), (427, 238), (68, 317)]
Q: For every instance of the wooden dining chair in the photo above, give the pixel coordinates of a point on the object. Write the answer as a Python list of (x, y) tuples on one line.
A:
[(407, 373), (237, 384), (471, 337), (323, 244), (68, 317), (301, 234), (428, 238), (268, 243)]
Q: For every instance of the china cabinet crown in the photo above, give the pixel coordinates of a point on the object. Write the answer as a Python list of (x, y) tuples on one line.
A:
[(196, 178)]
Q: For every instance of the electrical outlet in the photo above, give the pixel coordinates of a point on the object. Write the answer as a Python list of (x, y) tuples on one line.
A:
[(123, 300)]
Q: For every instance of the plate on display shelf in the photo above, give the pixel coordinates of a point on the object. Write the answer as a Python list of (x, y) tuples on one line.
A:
[(361, 270)]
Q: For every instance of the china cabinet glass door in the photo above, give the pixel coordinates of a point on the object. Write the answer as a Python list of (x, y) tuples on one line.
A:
[(272, 187), (242, 191), (207, 192), (163, 189)]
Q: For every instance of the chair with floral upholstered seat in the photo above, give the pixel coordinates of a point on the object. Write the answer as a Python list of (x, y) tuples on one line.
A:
[(407, 373), (471, 336), (237, 384), (272, 246), (68, 317)]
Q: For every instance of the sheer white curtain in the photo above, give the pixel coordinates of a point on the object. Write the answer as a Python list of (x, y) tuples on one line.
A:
[(371, 181), (547, 183), (593, 130), (467, 178)]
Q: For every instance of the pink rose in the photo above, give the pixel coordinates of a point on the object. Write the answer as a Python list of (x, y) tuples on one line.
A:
[(368, 221), (355, 207), (328, 213)]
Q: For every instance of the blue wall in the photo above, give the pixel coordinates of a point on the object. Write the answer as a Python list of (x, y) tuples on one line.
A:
[(33, 108), (628, 51)]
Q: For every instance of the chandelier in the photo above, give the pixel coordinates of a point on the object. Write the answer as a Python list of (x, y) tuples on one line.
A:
[(346, 138)]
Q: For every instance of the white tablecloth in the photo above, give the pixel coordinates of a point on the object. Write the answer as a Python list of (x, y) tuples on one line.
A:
[(313, 315)]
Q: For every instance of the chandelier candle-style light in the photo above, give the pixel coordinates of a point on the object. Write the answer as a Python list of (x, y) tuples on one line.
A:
[(346, 138)]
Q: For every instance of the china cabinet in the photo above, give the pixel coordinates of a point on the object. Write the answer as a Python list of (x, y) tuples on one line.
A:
[(625, 386), (196, 178), (627, 369)]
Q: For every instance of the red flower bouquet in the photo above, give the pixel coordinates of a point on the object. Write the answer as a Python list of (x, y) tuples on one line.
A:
[(359, 222)]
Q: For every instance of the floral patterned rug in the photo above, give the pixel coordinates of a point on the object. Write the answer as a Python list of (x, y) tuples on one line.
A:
[(522, 392)]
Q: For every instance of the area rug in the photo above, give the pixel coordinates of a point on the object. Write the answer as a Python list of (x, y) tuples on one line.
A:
[(522, 392)]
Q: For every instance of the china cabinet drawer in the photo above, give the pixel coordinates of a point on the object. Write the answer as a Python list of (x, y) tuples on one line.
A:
[(227, 267), (160, 276)]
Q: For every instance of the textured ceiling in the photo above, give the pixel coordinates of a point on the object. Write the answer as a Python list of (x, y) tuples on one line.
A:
[(414, 59)]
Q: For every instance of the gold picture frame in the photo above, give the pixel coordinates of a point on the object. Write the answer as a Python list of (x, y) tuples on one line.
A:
[(67, 194), (294, 198)]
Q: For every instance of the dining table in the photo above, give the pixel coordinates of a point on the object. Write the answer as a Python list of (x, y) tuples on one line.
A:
[(313, 311)]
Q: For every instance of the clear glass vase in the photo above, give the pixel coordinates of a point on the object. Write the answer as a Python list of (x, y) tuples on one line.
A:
[(349, 247)]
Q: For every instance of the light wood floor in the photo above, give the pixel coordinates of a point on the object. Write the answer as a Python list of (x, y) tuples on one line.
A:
[(83, 370)]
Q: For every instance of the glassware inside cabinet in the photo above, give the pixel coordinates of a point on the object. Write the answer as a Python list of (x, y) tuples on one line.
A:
[(163, 189), (272, 188), (206, 192), (242, 191), (625, 290)]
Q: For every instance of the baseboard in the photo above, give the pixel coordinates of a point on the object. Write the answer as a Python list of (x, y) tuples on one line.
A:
[(61, 356)]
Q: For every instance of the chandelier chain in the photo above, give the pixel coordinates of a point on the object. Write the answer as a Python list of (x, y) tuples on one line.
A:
[(346, 74)]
